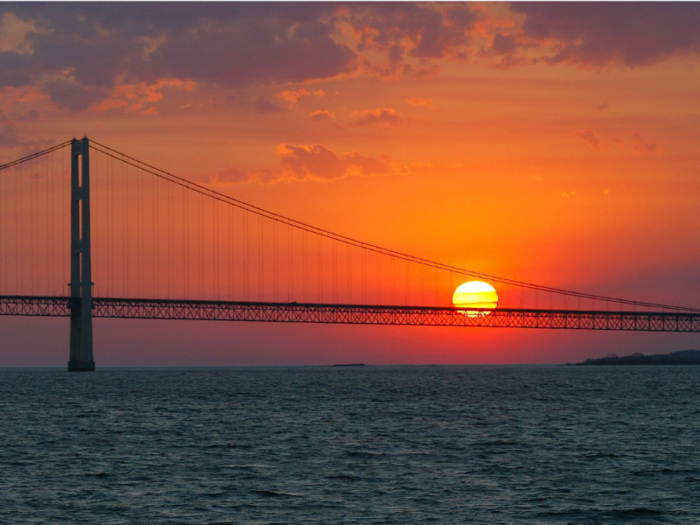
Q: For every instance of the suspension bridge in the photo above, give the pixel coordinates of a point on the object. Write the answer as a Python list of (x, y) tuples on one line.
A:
[(87, 231)]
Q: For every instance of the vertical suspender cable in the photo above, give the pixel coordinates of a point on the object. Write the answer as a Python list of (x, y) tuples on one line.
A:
[(377, 277), (126, 215), (112, 241), (306, 266), (139, 246), (154, 242), (171, 242), (32, 272), (187, 246), (393, 280), (421, 277), (3, 234), (260, 258), (200, 241), (65, 206), (156, 250), (407, 283), (290, 240), (6, 241), (231, 210), (347, 274), (49, 230), (319, 241), (273, 275), (246, 297), (31, 244), (182, 241), (95, 212), (435, 289), (21, 229)]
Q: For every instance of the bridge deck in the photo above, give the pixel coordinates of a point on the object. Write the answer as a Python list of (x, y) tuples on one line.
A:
[(356, 314)]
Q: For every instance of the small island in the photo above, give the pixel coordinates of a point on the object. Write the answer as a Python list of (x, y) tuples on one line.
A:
[(351, 364), (682, 357)]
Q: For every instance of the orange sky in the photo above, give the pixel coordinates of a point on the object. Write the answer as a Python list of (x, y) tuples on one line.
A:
[(551, 143)]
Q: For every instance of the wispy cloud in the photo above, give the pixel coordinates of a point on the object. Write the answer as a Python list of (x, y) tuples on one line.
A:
[(421, 102), (642, 147), (589, 137), (312, 162), (293, 97), (320, 115), (387, 116)]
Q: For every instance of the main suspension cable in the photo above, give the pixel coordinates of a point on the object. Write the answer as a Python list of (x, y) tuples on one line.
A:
[(35, 155), (213, 194)]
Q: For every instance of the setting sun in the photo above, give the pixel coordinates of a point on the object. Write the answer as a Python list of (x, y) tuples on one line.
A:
[(475, 294)]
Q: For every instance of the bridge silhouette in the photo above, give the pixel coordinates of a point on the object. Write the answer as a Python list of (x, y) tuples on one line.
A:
[(147, 244)]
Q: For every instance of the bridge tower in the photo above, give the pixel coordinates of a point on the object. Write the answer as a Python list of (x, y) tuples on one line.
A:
[(80, 264)]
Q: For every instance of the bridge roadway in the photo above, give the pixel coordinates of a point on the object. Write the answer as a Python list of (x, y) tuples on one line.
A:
[(195, 310)]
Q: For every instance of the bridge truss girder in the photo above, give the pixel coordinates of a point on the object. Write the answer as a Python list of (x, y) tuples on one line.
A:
[(193, 310)]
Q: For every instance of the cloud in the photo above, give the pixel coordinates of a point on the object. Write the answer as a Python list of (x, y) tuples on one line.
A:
[(603, 107), (313, 162), (642, 147), (8, 137), (264, 104), (316, 162), (11, 139), (589, 137), (504, 44), (293, 97), (78, 53), (225, 178), (321, 114), (601, 33), (81, 50), (421, 102), (403, 29), (138, 98), (386, 116)]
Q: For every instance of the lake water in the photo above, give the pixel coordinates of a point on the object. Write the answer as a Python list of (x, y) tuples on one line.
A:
[(472, 444)]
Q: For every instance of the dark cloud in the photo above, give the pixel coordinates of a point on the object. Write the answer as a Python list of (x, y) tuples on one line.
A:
[(504, 44), (78, 52), (418, 30), (599, 33), (8, 137), (81, 50), (72, 95), (264, 104), (84, 48), (15, 69)]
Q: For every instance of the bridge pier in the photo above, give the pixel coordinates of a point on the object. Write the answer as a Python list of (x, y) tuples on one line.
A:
[(80, 305)]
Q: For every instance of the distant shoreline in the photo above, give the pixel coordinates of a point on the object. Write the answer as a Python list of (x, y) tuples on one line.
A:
[(682, 357)]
